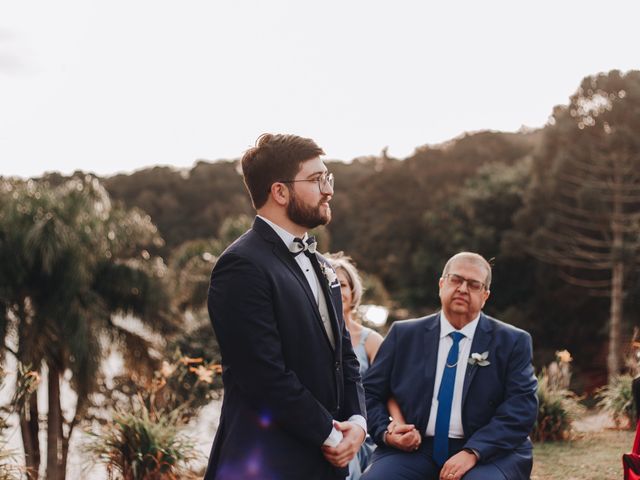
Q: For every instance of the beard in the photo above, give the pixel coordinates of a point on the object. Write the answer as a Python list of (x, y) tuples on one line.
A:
[(307, 216)]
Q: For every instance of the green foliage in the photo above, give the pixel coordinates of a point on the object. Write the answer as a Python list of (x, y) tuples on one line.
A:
[(476, 219), (232, 228), (27, 382), (143, 444), (181, 383), (557, 409), (192, 261), (190, 265), (400, 219), (187, 384), (142, 440), (616, 399), (186, 205), (196, 340), (70, 259), (581, 210)]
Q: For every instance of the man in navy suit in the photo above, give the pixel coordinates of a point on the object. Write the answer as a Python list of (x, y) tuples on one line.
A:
[(293, 403), (465, 384)]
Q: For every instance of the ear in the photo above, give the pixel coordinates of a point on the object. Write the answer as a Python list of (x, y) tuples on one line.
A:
[(485, 296), (280, 193)]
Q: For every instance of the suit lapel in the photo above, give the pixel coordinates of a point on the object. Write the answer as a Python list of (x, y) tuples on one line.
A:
[(481, 341), (329, 301), (283, 254), (431, 342), (285, 257)]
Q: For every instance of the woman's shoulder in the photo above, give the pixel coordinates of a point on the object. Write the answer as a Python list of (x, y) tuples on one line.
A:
[(372, 343), (371, 337)]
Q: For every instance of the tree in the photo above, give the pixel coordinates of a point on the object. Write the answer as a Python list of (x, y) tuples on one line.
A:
[(381, 203), (185, 205), (583, 209), (477, 219), (69, 261)]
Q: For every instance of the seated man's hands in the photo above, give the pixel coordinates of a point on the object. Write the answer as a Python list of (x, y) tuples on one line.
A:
[(458, 465), (403, 436), (352, 437)]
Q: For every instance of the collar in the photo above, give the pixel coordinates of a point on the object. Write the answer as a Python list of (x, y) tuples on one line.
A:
[(284, 235), (468, 330)]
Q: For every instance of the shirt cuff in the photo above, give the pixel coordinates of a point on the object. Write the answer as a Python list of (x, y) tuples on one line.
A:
[(334, 438), (360, 421), (473, 451)]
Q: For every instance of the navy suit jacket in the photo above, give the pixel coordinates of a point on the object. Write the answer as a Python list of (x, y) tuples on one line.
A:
[(499, 403), (283, 382)]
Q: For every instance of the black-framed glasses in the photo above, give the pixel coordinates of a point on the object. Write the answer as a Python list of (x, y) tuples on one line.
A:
[(457, 281), (325, 181)]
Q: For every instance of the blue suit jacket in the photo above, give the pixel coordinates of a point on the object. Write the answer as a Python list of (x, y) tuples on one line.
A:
[(499, 403), (283, 381)]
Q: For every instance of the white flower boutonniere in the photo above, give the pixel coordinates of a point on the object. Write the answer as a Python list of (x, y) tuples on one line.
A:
[(329, 273), (479, 359)]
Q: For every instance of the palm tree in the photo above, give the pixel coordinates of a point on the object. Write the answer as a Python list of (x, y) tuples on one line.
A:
[(70, 260)]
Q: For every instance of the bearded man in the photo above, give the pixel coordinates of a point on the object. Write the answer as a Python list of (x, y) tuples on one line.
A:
[(293, 403)]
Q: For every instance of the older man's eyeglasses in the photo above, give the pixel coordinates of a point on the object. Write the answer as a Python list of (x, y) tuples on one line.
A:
[(325, 182), (457, 281)]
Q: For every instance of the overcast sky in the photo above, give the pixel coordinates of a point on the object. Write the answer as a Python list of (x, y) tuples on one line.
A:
[(116, 86)]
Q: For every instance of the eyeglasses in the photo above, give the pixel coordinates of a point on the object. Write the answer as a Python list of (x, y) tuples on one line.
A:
[(457, 281), (325, 182)]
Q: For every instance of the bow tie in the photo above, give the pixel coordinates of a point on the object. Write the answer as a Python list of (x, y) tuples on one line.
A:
[(304, 244)]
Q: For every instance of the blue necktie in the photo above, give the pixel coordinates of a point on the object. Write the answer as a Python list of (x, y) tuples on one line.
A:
[(445, 396)]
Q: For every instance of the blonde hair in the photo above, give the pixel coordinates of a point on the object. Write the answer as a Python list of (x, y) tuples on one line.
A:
[(340, 261)]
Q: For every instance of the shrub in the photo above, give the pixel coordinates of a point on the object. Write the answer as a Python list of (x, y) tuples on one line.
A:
[(9, 470), (186, 383), (557, 409), (616, 399), (143, 445)]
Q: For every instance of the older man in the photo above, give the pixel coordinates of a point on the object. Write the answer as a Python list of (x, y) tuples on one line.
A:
[(465, 384)]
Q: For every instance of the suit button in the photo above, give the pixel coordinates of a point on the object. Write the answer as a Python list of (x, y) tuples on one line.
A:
[(337, 365)]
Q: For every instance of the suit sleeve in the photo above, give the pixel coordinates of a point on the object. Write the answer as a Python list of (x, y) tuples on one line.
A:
[(241, 311), (377, 385), (515, 416)]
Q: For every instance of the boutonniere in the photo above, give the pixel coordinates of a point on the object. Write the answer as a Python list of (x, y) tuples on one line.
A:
[(329, 273), (479, 359)]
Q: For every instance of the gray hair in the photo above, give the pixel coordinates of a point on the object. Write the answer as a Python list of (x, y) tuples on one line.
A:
[(473, 258)]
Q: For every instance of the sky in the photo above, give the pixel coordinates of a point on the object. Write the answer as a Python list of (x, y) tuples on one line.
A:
[(109, 87)]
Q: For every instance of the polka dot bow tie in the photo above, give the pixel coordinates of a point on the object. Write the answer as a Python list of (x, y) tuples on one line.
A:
[(304, 244)]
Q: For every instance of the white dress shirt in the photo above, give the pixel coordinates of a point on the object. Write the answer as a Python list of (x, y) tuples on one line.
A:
[(312, 279), (455, 425), (304, 262)]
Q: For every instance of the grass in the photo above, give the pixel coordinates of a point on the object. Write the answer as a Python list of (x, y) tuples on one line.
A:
[(591, 456)]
